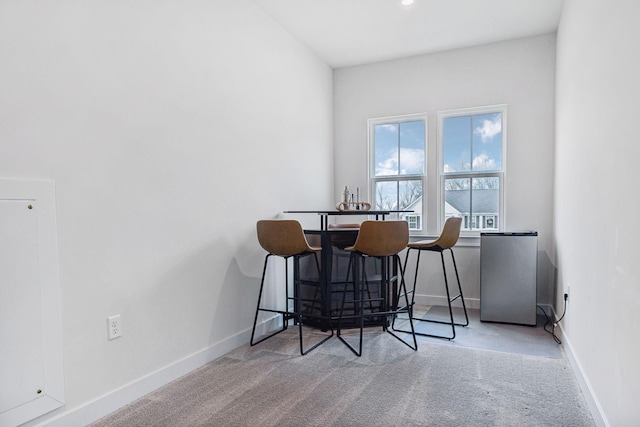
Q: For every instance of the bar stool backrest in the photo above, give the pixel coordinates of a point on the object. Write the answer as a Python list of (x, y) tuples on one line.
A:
[(381, 238), (283, 237), (450, 233)]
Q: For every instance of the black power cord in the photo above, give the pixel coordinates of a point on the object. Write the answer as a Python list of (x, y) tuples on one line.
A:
[(554, 324)]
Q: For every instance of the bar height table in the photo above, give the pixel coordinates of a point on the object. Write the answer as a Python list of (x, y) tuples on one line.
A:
[(331, 276), (324, 215)]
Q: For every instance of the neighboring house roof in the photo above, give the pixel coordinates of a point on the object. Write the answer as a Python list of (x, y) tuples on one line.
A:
[(484, 201), (416, 205)]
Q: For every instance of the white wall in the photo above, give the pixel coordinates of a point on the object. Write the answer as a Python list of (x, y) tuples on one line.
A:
[(519, 73), (597, 201), (169, 128)]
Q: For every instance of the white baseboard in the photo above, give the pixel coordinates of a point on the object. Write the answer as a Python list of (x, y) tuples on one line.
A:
[(116, 399), (592, 401), (422, 299)]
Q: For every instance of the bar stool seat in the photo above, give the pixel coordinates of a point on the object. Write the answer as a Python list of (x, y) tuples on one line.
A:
[(381, 240), (448, 238), (286, 239)]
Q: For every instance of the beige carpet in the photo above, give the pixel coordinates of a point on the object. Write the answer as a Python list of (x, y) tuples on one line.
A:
[(390, 385)]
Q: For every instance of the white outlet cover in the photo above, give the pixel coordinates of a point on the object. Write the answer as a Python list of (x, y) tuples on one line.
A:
[(114, 327)]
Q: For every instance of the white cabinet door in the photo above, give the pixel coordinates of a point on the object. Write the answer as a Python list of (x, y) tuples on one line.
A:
[(21, 337), (31, 368)]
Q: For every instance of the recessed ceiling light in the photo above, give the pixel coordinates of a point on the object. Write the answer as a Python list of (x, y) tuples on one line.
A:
[(406, 2)]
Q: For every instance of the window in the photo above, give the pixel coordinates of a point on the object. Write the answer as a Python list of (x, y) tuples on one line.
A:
[(397, 165), (470, 172), (472, 144), (414, 222)]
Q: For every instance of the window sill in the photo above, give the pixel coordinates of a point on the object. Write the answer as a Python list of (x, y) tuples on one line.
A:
[(466, 241)]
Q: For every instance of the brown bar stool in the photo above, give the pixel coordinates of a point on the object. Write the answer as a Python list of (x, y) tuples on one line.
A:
[(448, 238), (381, 240), (285, 238)]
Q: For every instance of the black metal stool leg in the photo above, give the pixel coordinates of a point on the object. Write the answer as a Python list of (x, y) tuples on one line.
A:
[(446, 287), (464, 306), (300, 316), (395, 310), (258, 309), (355, 301), (344, 295), (286, 239), (378, 240), (448, 238), (286, 314), (449, 298), (413, 290), (385, 311)]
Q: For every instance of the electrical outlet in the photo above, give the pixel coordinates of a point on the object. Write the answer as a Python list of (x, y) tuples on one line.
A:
[(567, 293), (114, 327)]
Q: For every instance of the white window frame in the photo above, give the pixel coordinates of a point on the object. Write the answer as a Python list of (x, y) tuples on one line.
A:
[(372, 179), (501, 175)]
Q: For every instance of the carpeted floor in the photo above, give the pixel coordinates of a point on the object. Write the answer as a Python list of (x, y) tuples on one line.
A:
[(390, 385), (533, 341)]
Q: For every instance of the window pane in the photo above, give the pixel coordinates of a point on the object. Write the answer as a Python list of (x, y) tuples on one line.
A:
[(476, 200), (402, 195), (486, 202), (487, 142), (410, 195), (413, 221), (457, 197), (457, 144), (411, 200), (412, 137), (386, 149), (387, 195)]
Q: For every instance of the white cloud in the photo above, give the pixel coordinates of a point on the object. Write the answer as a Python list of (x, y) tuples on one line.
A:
[(484, 162), (412, 160), (388, 167), (489, 128), (461, 166)]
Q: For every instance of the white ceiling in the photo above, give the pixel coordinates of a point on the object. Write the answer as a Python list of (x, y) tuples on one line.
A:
[(351, 32)]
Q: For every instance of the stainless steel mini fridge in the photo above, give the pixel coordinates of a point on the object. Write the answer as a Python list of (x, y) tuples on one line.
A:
[(508, 277)]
